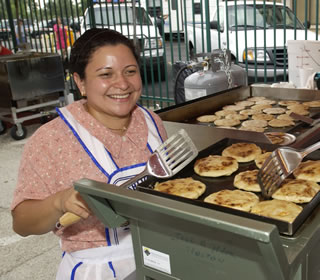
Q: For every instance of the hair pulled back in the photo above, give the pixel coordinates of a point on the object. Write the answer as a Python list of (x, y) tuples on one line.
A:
[(89, 42)]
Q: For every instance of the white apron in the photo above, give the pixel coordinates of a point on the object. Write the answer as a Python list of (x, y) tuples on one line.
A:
[(116, 259)]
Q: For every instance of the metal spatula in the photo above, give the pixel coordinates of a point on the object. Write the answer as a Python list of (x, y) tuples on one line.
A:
[(279, 165), (167, 160)]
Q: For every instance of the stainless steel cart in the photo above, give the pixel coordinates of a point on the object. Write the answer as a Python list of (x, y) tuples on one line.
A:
[(176, 239), (31, 86)]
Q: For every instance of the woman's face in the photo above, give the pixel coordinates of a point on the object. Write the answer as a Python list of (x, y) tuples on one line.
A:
[(112, 82)]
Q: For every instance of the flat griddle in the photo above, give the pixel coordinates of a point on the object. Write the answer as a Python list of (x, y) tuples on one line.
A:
[(294, 129), (226, 182)]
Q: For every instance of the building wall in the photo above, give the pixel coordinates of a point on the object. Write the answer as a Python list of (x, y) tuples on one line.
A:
[(311, 13)]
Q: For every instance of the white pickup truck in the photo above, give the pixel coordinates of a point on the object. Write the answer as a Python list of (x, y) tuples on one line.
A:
[(138, 25), (255, 33)]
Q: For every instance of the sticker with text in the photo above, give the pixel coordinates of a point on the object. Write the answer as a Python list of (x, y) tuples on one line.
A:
[(156, 259)]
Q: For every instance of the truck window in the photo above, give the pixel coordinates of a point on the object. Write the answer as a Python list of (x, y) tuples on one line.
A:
[(116, 15), (261, 16), (221, 15)]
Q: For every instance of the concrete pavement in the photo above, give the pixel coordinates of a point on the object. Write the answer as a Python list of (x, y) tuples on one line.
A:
[(21, 258)]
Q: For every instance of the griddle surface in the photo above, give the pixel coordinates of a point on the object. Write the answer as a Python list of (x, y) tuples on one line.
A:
[(226, 182)]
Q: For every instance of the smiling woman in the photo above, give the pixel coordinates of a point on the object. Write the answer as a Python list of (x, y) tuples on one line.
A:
[(106, 137)]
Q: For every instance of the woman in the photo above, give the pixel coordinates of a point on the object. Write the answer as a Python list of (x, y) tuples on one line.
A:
[(60, 32), (105, 137), (20, 33)]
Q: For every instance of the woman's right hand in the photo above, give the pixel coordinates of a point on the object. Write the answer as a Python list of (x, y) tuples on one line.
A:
[(70, 200), (41, 216)]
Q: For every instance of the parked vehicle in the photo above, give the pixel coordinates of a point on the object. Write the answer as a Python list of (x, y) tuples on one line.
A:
[(135, 24), (169, 14), (4, 29), (256, 33), (42, 27)]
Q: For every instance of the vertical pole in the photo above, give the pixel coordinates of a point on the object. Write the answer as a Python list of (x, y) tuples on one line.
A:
[(207, 14), (10, 17)]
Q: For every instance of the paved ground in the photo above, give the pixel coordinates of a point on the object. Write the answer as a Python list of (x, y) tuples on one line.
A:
[(27, 258)]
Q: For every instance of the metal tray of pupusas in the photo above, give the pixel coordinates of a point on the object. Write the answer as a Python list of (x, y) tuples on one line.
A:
[(226, 182), (295, 129)]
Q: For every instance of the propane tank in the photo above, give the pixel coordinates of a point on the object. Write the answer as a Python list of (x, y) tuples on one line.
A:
[(217, 75)]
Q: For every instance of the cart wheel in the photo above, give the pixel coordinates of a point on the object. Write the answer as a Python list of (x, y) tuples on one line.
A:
[(3, 127), (16, 135)]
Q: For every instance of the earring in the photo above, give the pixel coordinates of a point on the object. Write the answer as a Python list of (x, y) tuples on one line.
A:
[(83, 93)]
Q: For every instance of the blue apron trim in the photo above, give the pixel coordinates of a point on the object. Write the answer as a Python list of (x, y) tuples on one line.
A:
[(108, 236), (150, 149), (82, 144), (154, 122), (111, 158), (127, 177), (74, 270), (63, 253), (111, 267)]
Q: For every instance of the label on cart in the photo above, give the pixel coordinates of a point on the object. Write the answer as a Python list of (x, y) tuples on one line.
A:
[(156, 259)]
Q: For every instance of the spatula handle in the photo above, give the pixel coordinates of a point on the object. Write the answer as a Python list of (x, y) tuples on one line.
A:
[(67, 219), (135, 179), (310, 149)]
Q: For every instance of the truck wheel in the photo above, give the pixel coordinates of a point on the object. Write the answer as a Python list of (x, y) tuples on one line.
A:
[(3, 127), (18, 135)]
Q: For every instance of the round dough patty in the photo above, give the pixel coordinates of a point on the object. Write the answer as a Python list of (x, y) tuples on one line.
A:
[(247, 180), (274, 111), (250, 112), (280, 123), (277, 209), (288, 102), (233, 107), (312, 104), (297, 191), (239, 117), (223, 113), (285, 117), (308, 170), (216, 166), (185, 187), (266, 101), (262, 116), (242, 152), (261, 107), (236, 199), (245, 103), (207, 118), (256, 98), (260, 159), (255, 123), (227, 122)]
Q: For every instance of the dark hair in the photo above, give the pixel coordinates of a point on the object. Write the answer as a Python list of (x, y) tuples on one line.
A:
[(90, 41)]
